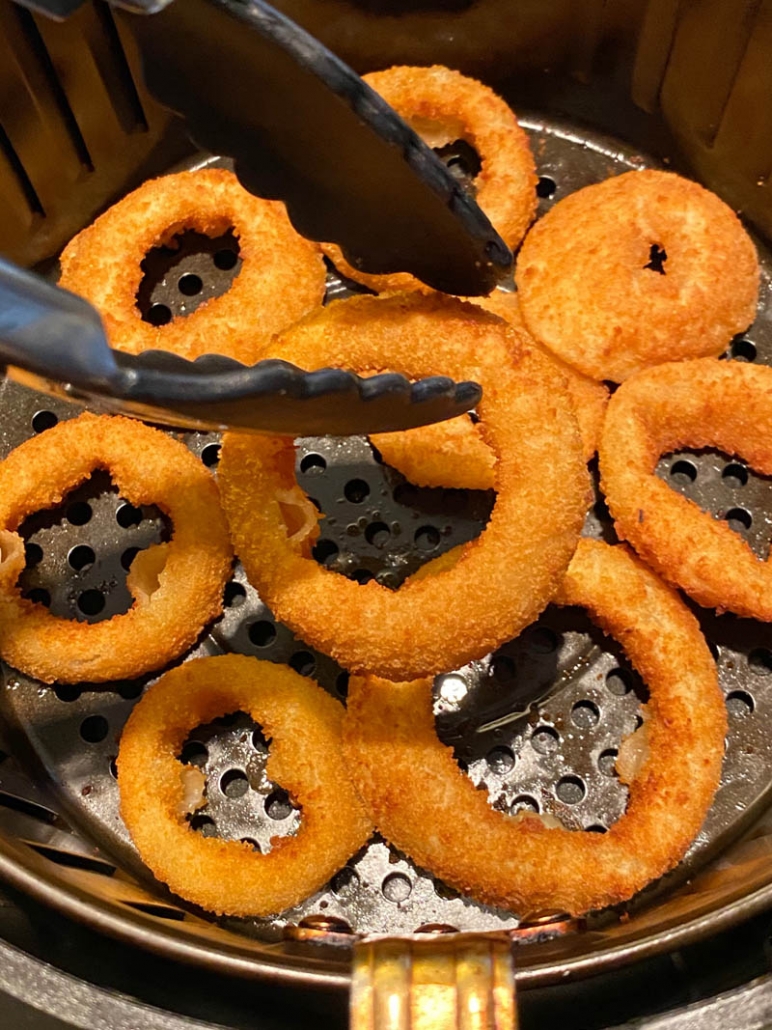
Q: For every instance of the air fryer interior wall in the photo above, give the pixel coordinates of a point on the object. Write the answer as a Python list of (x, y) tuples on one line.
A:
[(679, 84)]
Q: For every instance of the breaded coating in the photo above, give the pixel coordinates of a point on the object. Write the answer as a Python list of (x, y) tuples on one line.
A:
[(705, 403), (304, 725), (282, 276), (596, 290)]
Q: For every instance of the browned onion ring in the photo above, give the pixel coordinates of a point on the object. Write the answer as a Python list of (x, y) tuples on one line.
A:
[(502, 580), (282, 276)]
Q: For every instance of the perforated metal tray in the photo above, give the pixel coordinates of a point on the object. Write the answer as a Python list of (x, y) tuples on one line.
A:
[(537, 724)]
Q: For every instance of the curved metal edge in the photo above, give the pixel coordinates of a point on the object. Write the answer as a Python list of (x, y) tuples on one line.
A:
[(235, 960)]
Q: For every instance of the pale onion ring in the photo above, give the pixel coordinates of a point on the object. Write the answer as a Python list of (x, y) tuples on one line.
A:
[(447, 826), (304, 725), (177, 587)]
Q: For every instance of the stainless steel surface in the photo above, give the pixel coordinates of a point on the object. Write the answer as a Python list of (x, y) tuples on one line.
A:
[(536, 724)]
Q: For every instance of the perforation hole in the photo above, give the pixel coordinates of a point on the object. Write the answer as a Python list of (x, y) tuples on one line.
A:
[(81, 557), (570, 790), (683, 472), (743, 350), (501, 760), (43, 420), (202, 824), (396, 888), (210, 455), (427, 538), (91, 602), (356, 491), (524, 803), (234, 783), (325, 550), (190, 284), (158, 315), (303, 662), (585, 715), (760, 661), (278, 805), (740, 704), (194, 753), (739, 519), (234, 595), (619, 682), (735, 475), (313, 464), (546, 187), (128, 515), (378, 534), (33, 555), (94, 729), (545, 740), (262, 634), (607, 761), (78, 513)]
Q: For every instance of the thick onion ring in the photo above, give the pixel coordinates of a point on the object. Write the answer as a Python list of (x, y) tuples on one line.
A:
[(503, 579), (703, 403), (453, 454), (587, 294), (304, 722), (522, 864), (442, 106), (177, 587), (282, 276)]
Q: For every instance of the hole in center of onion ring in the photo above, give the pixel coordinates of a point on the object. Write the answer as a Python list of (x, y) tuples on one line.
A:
[(91, 519), (182, 274), (561, 696), (228, 793), (375, 524), (657, 259), (462, 161)]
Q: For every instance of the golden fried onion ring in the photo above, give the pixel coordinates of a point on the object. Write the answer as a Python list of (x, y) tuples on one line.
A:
[(177, 587), (304, 724), (443, 106), (523, 865), (703, 403), (503, 579), (282, 276), (453, 454), (587, 291)]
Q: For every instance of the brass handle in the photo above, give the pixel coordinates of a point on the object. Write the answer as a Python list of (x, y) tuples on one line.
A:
[(455, 981)]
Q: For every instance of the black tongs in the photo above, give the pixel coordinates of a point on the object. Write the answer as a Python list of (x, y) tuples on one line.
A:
[(302, 127)]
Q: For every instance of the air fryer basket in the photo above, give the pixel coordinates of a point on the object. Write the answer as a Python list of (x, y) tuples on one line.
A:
[(601, 88)]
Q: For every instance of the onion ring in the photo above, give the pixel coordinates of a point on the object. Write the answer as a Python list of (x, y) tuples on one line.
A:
[(521, 864), (443, 106), (227, 876), (591, 291), (503, 579), (453, 454), (177, 587), (282, 276), (703, 403)]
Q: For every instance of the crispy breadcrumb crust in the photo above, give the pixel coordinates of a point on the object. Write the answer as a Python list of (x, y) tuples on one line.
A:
[(177, 587), (501, 580), (704, 403), (587, 294), (282, 275)]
